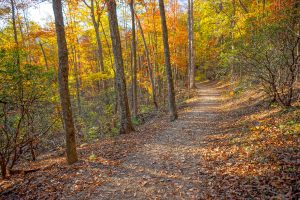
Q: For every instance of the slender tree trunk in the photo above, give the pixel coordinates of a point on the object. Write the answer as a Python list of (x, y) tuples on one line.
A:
[(16, 49), (99, 49), (134, 60), (44, 55), (297, 19), (99, 54), (63, 72), (107, 44), (96, 21), (127, 55), (3, 167), (192, 51), (173, 29), (158, 70), (13, 17), (148, 64), (22, 36), (26, 24), (125, 119), (157, 80), (78, 79), (140, 92), (191, 44), (298, 54), (171, 93), (76, 65), (155, 56), (232, 35)]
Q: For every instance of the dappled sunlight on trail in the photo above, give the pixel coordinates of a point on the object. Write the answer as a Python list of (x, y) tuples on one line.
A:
[(219, 148), (199, 156)]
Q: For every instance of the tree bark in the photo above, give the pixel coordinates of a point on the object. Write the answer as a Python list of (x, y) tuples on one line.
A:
[(107, 44), (13, 17), (191, 44), (148, 64), (125, 119), (156, 57), (44, 55), (17, 61), (76, 65), (3, 163), (232, 35), (134, 60), (245, 8), (297, 7), (96, 22), (63, 73), (171, 93)]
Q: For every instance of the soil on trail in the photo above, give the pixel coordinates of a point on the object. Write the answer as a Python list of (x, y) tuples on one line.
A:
[(169, 165)]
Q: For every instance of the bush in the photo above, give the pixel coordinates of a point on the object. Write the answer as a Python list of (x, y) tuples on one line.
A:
[(23, 97), (270, 57)]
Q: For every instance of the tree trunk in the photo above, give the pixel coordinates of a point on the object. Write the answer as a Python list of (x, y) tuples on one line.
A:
[(157, 68), (26, 44), (126, 54), (191, 44), (171, 93), (99, 49), (297, 19), (96, 21), (76, 65), (134, 61), (174, 5), (44, 55), (125, 119), (232, 36), (63, 72), (13, 17), (108, 46), (16, 49), (148, 64), (3, 168), (99, 55)]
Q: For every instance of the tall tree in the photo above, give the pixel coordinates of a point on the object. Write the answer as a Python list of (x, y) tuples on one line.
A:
[(191, 62), (16, 48), (171, 93), (63, 73), (134, 60), (125, 119), (148, 63), (13, 17), (297, 19), (44, 53), (297, 27), (95, 13), (232, 24)]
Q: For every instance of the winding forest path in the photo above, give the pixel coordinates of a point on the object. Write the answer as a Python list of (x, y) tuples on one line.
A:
[(169, 166), (210, 152)]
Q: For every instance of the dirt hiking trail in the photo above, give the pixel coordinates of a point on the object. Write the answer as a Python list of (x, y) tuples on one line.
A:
[(169, 165), (211, 152)]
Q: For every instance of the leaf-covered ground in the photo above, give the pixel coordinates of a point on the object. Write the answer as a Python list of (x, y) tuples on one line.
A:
[(219, 148)]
